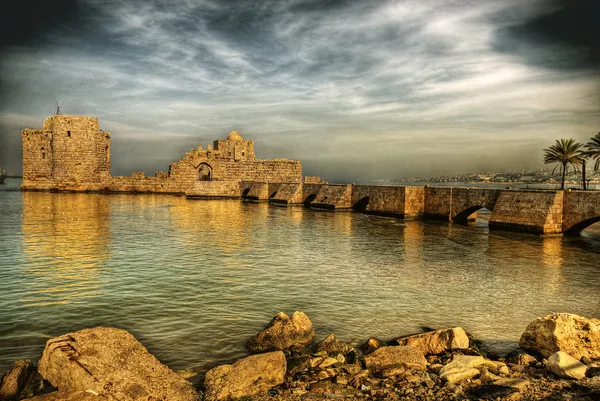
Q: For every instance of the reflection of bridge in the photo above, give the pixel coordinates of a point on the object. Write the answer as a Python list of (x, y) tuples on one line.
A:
[(543, 212)]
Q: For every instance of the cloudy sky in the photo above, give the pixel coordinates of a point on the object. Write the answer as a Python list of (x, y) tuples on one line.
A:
[(357, 90)]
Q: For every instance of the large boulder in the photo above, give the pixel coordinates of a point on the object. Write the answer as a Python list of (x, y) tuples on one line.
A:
[(438, 341), (14, 380), (112, 363), (573, 334), (246, 377), (465, 367), (395, 356), (283, 333), (565, 365)]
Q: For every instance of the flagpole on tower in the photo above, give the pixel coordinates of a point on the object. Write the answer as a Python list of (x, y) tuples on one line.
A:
[(58, 113)]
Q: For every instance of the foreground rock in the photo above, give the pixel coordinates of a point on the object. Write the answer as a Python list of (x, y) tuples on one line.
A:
[(14, 381), (565, 365), (283, 333), (245, 378), (438, 341), (332, 345), (76, 396), (110, 362), (371, 345), (573, 334), (465, 367), (395, 356)]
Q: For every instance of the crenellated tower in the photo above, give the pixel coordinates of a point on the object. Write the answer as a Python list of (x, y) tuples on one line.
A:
[(67, 149)]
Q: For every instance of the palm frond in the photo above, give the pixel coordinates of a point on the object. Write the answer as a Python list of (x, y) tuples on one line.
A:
[(593, 150)]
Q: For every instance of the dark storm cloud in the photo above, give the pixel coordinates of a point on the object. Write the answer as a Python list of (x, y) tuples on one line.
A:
[(29, 21), (564, 34), (362, 89)]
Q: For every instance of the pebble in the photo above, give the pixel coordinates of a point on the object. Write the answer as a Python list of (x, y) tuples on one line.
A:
[(315, 362), (327, 362), (586, 360), (503, 370), (518, 368)]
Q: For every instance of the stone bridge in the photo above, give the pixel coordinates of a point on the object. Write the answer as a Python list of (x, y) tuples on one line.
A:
[(457, 204), (536, 211)]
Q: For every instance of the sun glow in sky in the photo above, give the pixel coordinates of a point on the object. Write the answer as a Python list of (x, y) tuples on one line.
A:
[(357, 90)]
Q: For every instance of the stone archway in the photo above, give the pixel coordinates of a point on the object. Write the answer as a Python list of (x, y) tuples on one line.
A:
[(205, 172)]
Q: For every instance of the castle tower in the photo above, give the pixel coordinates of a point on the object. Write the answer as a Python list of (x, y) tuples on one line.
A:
[(66, 149), (235, 147)]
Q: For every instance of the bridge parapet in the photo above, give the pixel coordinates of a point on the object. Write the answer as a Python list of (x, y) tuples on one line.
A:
[(334, 197), (288, 194), (539, 212), (458, 203), (388, 200), (438, 203), (466, 201), (580, 210), (309, 192)]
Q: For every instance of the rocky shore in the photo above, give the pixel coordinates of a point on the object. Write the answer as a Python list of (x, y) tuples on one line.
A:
[(559, 359)]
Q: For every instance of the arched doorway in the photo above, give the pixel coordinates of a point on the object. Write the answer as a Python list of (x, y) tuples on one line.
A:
[(204, 172)]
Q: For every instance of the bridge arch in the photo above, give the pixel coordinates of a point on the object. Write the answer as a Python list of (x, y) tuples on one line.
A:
[(361, 204), (463, 216), (245, 193), (577, 228), (309, 199)]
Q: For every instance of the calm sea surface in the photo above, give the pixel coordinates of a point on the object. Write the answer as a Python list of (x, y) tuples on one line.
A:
[(193, 280)]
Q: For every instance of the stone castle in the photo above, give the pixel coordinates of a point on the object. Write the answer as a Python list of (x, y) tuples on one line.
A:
[(72, 153)]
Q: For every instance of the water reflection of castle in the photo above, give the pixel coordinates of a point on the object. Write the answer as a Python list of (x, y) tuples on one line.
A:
[(65, 241)]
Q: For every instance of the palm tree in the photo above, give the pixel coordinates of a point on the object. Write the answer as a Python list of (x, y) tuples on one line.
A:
[(593, 150), (564, 152)]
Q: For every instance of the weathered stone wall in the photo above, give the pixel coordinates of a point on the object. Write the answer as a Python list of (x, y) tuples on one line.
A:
[(69, 149), (81, 149), (259, 191), (360, 197), (466, 201), (456, 203), (414, 202), (313, 179), (289, 194), (187, 170), (139, 183), (336, 197), (580, 210), (310, 192), (213, 190), (531, 211), (437, 204), (387, 200), (37, 155), (406, 202)]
